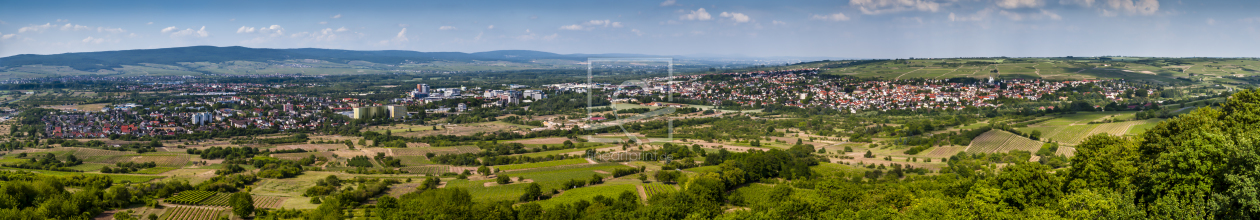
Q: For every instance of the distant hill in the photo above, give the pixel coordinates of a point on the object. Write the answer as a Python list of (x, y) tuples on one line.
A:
[(92, 61)]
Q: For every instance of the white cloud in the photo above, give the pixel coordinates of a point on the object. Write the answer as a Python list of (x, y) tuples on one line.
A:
[(169, 29), (830, 17), (636, 32), (402, 36), (7, 36), (1082, 3), (401, 25), (149, 23), (1211, 21), (35, 28), (490, 27), (1012, 4), (1130, 7), (871, 7), (93, 40), (978, 16), (737, 17), (273, 30), (75, 27), (592, 24), (668, 3), (323, 22), (110, 30), (342, 29), (336, 16), (697, 15), (1043, 14), (778, 22), (190, 32), (447, 28), (2, 22)]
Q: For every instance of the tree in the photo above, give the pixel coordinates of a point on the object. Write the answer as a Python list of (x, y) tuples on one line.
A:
[(596, 179), (642, 177), (869, 154), (242, 204), (532, 192), (503, 179), (1035, 135), (485, 171), (1103, 162)]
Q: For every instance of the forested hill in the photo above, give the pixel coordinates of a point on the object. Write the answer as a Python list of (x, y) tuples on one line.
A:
[(91, 61)]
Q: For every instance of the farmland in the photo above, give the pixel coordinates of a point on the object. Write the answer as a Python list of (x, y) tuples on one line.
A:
[(658, 188), (609, 190), (190, 197), (1002, 141), (192, 213), (542, 164)]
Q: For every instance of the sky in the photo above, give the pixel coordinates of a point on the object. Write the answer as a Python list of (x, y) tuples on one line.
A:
[(835, 28)]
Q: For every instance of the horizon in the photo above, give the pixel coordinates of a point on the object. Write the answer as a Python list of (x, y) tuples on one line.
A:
[(854, 29)]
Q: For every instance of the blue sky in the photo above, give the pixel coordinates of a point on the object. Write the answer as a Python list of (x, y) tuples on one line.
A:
[(836, 28)]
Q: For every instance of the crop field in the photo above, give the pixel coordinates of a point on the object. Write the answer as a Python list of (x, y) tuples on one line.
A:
[(435, 150), (1072, 134), (1116, 129), (192, 213), (432, 169), (542, 164), (311, 147), (109, 159), (944, 152), (164, 160), (658, 188), (89, 152), (1066, 151), (414, 160), (1002, 141), (548, 178), (759, 194), (190, 197), (155, 170), (1140, 128), (610, 190), (299, 156), (118, 178), (268, 202), (219, 199)]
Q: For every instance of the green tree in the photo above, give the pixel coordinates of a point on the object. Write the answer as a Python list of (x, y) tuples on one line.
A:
[(1203, 164), (1103, 162), (483, 170), (242, 204)]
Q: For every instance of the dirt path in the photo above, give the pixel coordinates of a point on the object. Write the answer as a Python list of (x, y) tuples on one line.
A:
[(642, 194), (1037, 71), (589, 160)]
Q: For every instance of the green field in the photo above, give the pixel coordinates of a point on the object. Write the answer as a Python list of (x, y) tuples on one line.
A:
[(542, 164), (1002, 141), (548, 177), (610, 190)]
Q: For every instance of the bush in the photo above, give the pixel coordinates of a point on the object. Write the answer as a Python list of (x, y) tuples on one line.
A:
[(503, 179)]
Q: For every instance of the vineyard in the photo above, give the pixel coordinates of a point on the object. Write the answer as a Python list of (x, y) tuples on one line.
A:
[(1066, 151), (1117, 129), (1073, 134), (268, 202), (944, 152), (433, 169), (164, 160), (434, 150), (542, 164), (192, 213), (220, 199), (190, 197), (1002, 141), (657, 188), (299, 156)]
